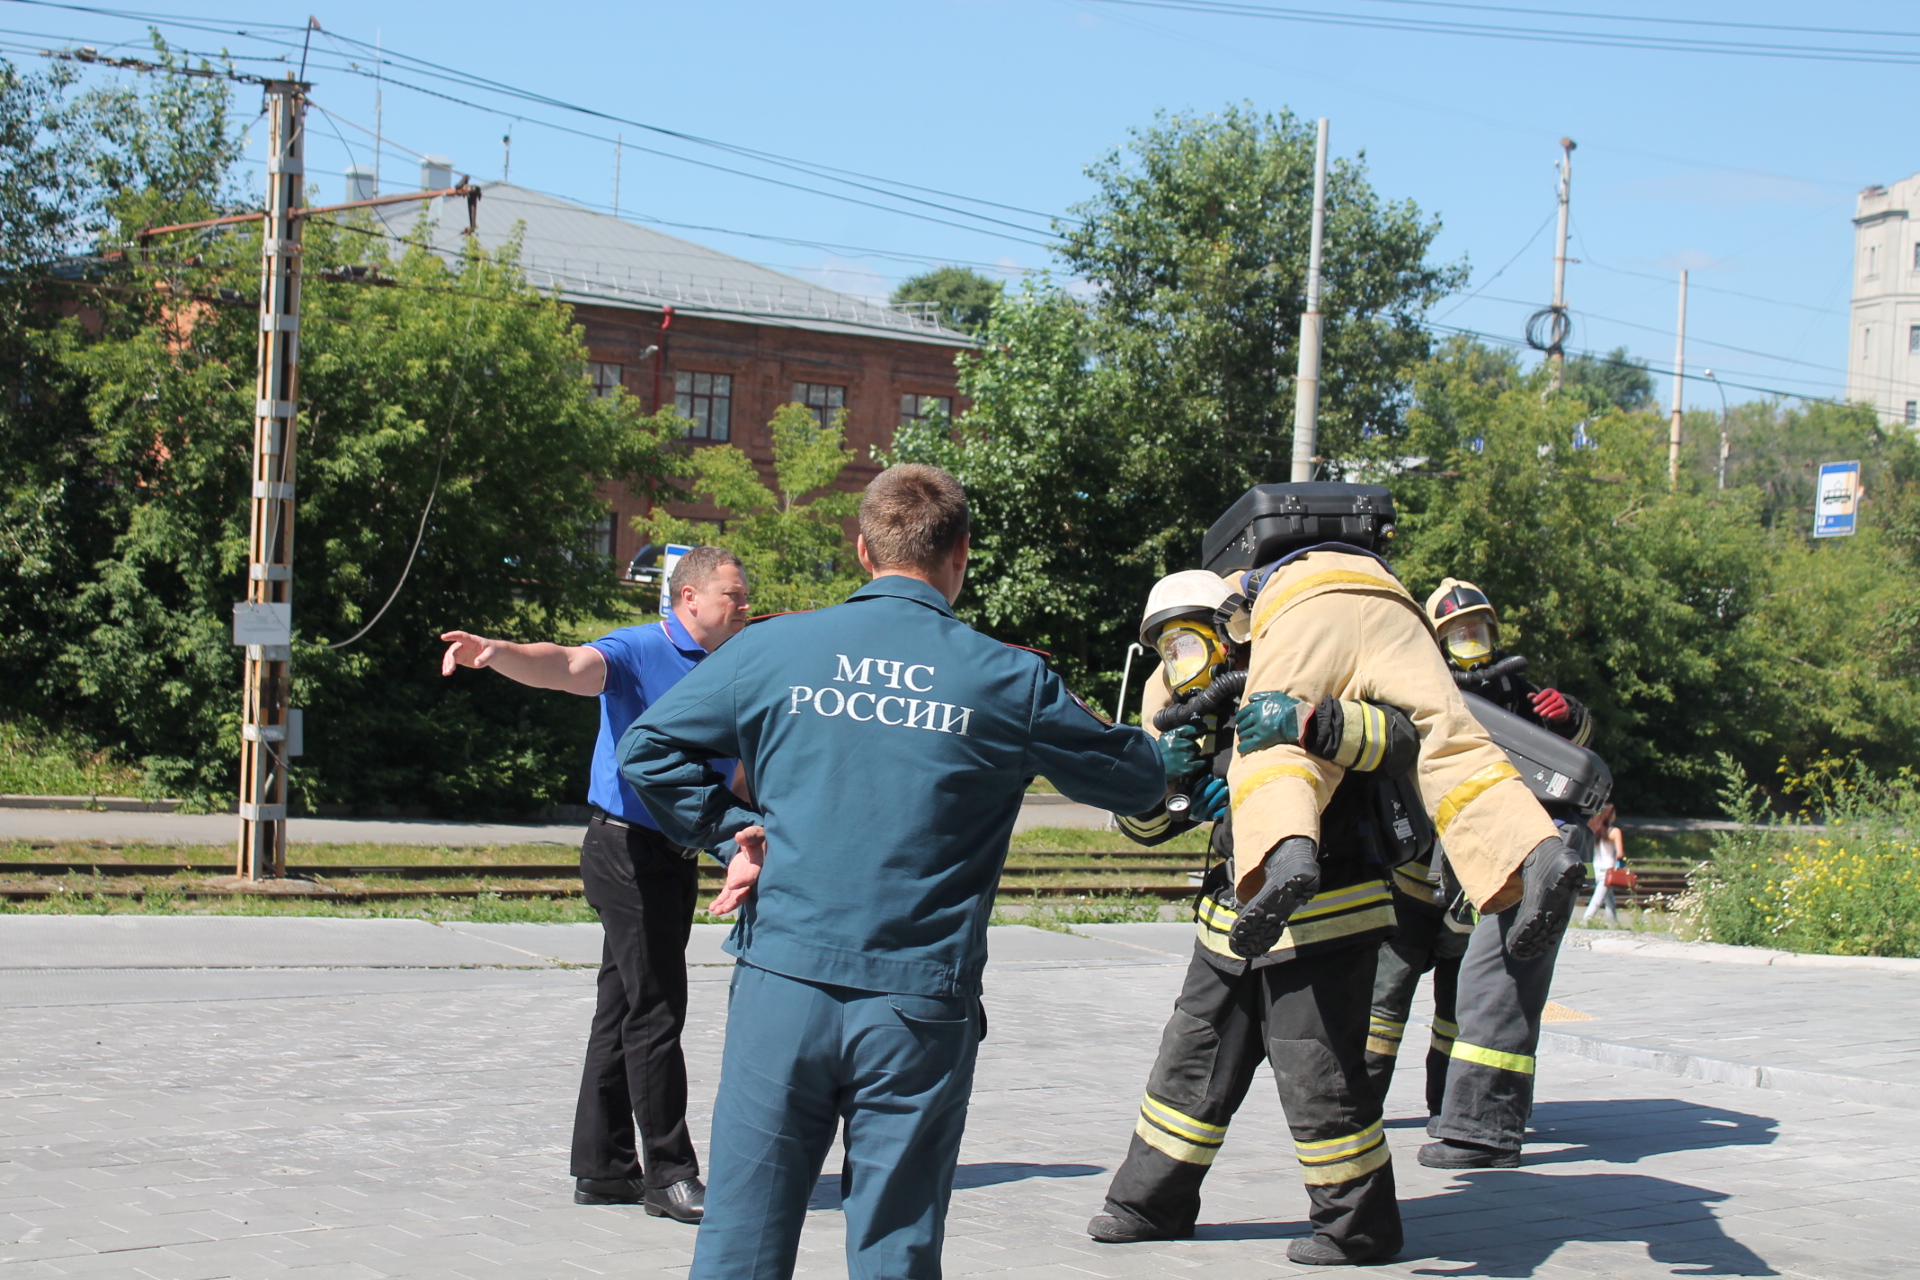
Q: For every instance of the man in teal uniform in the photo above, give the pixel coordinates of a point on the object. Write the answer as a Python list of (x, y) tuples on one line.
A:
[(886, 746)]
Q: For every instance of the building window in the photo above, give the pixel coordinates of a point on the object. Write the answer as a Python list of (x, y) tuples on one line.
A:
[(1913, 412), (1866, 345), (600, 535), (1873, 259), (825, 401), (604, 377), (1916, 256), (1913, 339), (707, 399), (919, 408)]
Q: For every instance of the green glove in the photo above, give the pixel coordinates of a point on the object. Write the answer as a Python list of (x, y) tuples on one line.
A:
[(1180, 752), (1271, 720)]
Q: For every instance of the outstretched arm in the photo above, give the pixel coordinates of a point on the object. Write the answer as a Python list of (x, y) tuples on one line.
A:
[(580, 668)]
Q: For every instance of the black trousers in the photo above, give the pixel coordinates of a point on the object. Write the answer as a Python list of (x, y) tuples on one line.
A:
[(1490, 1068), (1424, 942), (644, 891), (1308, 1017)]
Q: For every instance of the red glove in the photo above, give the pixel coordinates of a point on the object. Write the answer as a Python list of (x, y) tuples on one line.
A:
[(1549, 705)]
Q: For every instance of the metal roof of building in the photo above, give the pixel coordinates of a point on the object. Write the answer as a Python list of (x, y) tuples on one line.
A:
[(596, 258)]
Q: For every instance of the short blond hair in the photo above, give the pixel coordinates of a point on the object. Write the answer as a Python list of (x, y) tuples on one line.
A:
[(913, 516)]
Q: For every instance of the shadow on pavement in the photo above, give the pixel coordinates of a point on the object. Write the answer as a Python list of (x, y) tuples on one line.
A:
[(1627, 1130), (826, 1192), (1507, 1223)]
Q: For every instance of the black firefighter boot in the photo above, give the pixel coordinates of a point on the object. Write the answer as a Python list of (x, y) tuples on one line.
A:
[(1550, 881), (1293, 876)]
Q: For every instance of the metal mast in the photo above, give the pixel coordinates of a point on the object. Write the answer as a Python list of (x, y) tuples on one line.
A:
[(1306, 387), (264, 718)]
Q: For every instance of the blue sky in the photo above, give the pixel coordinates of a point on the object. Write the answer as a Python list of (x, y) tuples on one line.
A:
[(1742, 169)]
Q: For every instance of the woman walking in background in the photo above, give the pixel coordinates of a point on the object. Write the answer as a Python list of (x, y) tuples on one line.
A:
[(1609, 855)]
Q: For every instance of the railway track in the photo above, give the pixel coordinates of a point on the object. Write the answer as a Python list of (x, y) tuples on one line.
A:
[(1089, 875)]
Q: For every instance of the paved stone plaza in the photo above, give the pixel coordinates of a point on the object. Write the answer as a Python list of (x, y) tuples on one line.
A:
[(395, 1098)]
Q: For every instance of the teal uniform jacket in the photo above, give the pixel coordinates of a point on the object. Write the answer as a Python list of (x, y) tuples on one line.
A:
[(887, 745)]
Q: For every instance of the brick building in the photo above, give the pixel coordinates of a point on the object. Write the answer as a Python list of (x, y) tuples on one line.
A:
[(726, 340)]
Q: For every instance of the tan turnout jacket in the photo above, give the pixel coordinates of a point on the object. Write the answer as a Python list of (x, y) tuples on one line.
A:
[(1338, 625)]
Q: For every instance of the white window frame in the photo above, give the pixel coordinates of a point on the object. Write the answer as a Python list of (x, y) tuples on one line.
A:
[(605, 375)]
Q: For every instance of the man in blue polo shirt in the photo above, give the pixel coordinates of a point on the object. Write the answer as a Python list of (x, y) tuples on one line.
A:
[(643, 886), (887, 745)]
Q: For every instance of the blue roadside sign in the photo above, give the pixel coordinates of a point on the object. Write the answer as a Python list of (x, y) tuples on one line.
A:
[(1836, 508)]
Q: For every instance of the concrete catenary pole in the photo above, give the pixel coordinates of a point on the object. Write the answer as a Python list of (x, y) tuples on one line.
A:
[(1679, 383), (1556, 355), (1306, 390), (264, 713)]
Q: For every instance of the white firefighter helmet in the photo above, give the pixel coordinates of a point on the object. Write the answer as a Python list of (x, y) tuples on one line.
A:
[(1464, 620), (1178, 625)]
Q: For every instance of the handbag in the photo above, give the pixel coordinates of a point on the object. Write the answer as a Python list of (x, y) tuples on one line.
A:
[(1619, 878)]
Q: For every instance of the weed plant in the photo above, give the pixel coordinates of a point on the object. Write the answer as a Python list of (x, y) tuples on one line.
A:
[(1839, 876)]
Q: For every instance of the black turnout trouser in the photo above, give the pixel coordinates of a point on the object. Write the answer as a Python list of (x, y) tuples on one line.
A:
[(1308, 1018), (1424, 942), (1489, 1094), (644, 891)]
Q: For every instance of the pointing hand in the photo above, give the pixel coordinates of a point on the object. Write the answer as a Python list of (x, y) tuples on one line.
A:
[(466, 650)]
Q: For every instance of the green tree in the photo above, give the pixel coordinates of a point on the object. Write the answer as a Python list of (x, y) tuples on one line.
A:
[(1691, 626), (1614, 380), (1106, 435), (963, 299), (795, 547), (451, 406)]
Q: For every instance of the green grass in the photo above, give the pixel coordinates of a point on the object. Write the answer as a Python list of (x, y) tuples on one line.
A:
[(1077, 840), (35, 762), (1060, 917)]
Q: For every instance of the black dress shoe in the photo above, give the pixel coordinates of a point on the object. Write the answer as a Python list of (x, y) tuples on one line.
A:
[(607, 1191), (1551, 878), (1111, 1228), (1318, 1251), (684, 1201), (1449, 1153)]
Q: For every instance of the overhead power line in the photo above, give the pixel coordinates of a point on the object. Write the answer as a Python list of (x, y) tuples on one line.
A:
[(387, 60), (1620, 39)]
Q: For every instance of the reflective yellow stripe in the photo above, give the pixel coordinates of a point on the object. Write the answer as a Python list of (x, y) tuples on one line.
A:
[(1519, 1063), (1411, 879), (1470, 790), (1179, 1148), (1441, 1027), (1337, 913), (1328, 1175), (1386, 1027), (1373, 741), (1271, 605), (1184, 1125), (1250, 785), (1384, 1048), (1149, 826), (1324, 1149)]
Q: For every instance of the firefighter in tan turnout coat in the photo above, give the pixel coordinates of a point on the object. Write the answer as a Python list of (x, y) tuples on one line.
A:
[(1332, 635)]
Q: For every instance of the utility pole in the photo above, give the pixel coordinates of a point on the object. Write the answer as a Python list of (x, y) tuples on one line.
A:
[(619, 142), (1725, 447), (1556, 354), (378, 84), (506, 155), (264, 705), (1306, 386), (1679, 382)]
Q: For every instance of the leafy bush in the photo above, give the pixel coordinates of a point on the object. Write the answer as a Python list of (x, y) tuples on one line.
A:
[(1849, 887)]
